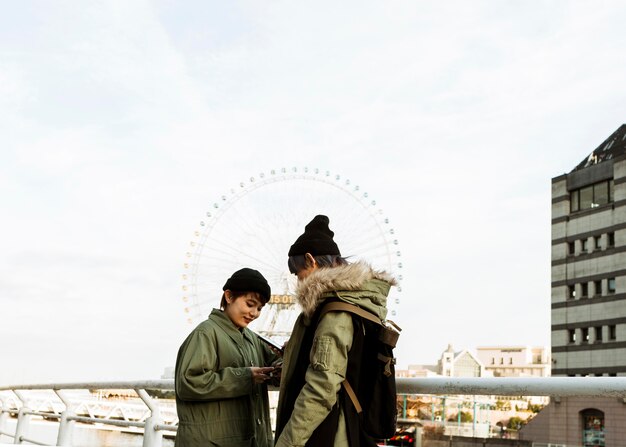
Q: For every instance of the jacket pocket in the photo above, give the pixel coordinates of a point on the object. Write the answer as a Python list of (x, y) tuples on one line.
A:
[(321, 356)]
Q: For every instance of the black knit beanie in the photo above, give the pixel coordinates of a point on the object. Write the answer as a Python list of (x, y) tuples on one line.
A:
[(249, 280), (317, 239)]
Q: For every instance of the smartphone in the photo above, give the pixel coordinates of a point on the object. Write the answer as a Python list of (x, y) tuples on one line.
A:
[(277, 370), (270, 342)]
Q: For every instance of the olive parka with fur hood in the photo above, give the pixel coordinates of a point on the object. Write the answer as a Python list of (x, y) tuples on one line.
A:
[(356, 284), (217, 402)]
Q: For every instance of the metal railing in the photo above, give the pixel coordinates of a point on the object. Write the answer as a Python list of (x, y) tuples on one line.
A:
[(514, 386), (153, 425)]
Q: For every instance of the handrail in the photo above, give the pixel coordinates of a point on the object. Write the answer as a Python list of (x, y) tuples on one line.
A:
[(515, 386), (162, 384), (511, 386), (154, 425)]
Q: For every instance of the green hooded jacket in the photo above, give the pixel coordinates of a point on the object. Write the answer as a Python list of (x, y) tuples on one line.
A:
[(217, 402), (356, 284)]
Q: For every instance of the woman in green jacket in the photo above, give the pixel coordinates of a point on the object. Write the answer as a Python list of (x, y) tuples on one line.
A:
[(221, 370)]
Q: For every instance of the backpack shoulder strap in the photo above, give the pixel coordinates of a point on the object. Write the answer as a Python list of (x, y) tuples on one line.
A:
[(335, 306), (389, 336), (352, 396)]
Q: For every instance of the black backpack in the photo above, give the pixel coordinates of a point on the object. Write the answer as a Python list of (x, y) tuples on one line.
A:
[(371, 380)]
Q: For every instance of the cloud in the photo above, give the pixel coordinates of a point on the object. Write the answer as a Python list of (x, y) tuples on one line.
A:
[(123, 122)]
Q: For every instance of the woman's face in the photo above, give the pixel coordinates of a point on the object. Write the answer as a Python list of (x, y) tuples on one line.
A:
[(243, 310)]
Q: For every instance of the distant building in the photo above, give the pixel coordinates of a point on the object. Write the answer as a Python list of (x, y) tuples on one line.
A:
[(515, 361), (588, 297), (467, 364), (418, 371), (451, 364), (460, 364)]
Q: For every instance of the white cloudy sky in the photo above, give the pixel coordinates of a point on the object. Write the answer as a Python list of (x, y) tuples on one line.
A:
[(122, 121)]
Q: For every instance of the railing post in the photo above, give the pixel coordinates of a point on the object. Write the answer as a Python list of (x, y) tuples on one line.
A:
[(474, 418), (419, 433), (4, 414), (23, 419), (66, 425), (151, 436)]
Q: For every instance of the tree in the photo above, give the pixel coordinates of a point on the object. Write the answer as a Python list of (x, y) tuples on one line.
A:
[(515, 423), (465, 417)]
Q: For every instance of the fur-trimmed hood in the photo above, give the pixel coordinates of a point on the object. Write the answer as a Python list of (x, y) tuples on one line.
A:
[(356, 283)]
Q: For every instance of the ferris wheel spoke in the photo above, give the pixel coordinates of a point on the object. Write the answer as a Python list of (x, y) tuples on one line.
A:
[(252, 230), (354, 225), (369, 250), (361, 235), (244, 254)]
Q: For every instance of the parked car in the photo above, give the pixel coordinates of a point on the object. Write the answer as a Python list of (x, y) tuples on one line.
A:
[(403, 438)]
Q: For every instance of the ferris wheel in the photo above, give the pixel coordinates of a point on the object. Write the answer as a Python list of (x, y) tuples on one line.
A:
[(254, 224)]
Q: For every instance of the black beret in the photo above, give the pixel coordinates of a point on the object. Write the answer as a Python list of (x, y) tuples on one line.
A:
[(249, 280)]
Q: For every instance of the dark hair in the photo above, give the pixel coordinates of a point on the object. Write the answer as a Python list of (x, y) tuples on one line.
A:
[(298, 262), (237, 293)]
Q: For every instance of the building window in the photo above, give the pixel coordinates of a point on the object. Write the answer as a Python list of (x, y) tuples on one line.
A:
[(612, 332), (510, 360), (598, 287), (612, 374), (611, 285), (591, 196), (493, 360), (593, 427), (571, 248), (571, 292), (600, 194), (611, 239), (586, 197), (574, 205), (585, 335), (583, 245), (585, 290), (596, 243), (502, 360), (598, 334), (572, 335)]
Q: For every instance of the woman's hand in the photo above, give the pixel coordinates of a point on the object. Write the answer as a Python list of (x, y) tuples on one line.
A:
[(260, 375)]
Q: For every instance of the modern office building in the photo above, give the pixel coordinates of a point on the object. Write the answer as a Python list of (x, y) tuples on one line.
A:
[(588, 297)]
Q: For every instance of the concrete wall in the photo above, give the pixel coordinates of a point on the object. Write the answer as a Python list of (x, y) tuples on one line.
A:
[(561, 423), (475, 442)]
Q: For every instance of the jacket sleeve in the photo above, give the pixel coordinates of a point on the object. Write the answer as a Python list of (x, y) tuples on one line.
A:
[(197, 377), (270, 358), (326, 371)]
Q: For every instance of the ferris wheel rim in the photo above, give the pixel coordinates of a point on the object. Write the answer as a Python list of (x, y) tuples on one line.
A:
[(253, 183)]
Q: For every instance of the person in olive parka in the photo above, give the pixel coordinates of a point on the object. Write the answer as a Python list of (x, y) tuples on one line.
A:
[(221, 370), (311, 410)]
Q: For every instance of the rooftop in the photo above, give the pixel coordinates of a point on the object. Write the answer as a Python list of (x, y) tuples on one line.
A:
[(612, 147)]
